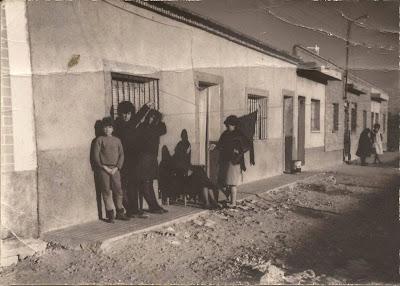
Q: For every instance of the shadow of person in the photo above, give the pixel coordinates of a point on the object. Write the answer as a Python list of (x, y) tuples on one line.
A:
[(98, 131)]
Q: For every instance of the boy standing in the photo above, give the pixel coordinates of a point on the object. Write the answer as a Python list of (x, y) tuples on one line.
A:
[(108, 158)]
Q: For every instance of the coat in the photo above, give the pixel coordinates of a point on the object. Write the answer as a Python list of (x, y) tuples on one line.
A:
[(148, 136), (228, 143), (127, 133), (364, 144)]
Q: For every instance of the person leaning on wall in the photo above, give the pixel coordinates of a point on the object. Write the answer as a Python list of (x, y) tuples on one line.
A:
[(126, 130)]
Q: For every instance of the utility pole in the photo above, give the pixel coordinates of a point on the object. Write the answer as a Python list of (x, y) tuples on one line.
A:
[(346, 137)]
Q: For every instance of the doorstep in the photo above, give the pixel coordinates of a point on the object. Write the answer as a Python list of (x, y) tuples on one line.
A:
[(100, 236)]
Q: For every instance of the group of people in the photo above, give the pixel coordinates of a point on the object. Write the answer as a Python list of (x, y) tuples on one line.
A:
[(124, 160), (370, 143)]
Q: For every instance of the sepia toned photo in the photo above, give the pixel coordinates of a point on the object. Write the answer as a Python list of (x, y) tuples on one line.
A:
[(199, 142)]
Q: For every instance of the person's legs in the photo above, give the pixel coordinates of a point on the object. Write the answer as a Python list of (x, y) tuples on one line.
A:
[(363, 163), (233, 195), (150, 197), (104, 184), (117, 195)]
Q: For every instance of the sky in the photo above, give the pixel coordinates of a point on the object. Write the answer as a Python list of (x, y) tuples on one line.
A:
[(374, 53)]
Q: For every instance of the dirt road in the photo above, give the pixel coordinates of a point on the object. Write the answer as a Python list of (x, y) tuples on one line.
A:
[(337, 228)]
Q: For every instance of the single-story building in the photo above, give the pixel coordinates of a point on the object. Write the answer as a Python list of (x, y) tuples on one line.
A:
[(67, 64)]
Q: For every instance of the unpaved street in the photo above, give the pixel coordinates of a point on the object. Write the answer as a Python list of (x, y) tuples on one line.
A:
[(339, 227)]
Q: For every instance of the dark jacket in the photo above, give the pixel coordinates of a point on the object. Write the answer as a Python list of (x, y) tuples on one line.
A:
[(232, 145), (127, 133), (148, 144), (364, 144), (182, 155)]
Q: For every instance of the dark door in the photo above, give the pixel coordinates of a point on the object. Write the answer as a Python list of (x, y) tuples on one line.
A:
[(301, 136), (288, 132)]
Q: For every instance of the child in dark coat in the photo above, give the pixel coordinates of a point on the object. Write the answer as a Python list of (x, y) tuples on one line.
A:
[(364, 149)]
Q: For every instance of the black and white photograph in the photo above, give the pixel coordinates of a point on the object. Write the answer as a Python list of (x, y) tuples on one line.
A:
[(199, 142)]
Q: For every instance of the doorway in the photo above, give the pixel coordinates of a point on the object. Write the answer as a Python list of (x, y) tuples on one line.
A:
[(301, 130), (288, 132), (209, 125)]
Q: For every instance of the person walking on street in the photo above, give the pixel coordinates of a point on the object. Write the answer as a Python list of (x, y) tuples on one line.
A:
[(108, 158), (364, 149), (377, 139), (126, 130), (231, 145)]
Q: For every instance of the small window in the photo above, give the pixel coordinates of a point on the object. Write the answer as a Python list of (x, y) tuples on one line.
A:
[(354, 117), (372, 119), (138, 90), (260, 104), (364, 119), (335, 126), (384, 122), (315, 115)]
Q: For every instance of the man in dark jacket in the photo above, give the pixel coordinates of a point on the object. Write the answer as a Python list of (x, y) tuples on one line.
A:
[(126, 130)]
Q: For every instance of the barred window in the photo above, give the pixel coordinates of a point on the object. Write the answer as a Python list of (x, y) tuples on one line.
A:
[(364, 119), (354, 117), (260, 104), (315, 115), (335, 126), (384, 122), (136, 89)]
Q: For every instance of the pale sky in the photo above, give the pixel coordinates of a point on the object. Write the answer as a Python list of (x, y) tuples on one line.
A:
[(283, 23)]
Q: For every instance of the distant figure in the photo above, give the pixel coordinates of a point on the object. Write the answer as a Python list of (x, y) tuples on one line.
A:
[(149, 133), (108, 156), (377, 139), (364, 149), (98, 131), (231, 145), (183, 152)]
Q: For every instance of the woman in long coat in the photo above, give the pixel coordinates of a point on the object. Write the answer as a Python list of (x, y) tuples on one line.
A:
[(377, 139), (364, 149), (149, 133), (231, 145)]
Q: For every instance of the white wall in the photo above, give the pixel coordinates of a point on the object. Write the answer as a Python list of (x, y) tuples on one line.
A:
[(313, 90)]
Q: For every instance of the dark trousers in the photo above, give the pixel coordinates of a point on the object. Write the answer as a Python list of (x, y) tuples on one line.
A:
[(130, 187), (147, 190)]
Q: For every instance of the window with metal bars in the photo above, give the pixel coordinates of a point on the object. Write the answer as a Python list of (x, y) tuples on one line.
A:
[(260, 104), (136, 89), (315, 115), (354, 117), (384, 122), (335, 126)]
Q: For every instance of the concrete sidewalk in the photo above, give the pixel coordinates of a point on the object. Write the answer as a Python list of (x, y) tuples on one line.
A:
[(100, 235)]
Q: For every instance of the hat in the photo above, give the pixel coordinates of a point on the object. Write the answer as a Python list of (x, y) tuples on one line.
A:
[(107, 121), (125, 107), (231, 120)]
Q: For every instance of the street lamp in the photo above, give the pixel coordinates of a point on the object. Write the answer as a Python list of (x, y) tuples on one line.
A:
[(346, 139)]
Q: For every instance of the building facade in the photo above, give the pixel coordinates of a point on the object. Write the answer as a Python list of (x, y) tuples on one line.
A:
[(71, 62)]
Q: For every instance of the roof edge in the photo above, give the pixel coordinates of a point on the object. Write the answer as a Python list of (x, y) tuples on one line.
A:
[(195, 20)]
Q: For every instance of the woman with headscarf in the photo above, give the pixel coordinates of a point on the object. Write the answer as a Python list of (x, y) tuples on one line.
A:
[(231, 145), (364, 149), (149, 133)]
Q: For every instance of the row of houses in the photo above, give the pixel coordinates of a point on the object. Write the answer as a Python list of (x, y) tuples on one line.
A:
[(67, 64)]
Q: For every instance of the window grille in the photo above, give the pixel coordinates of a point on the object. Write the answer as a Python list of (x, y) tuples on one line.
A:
[(335, 117), (260, 104), (315, 115), (138, 90), (384, 122)]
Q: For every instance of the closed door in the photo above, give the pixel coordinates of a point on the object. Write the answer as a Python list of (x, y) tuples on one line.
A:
[(301, 136), (288, 132)]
